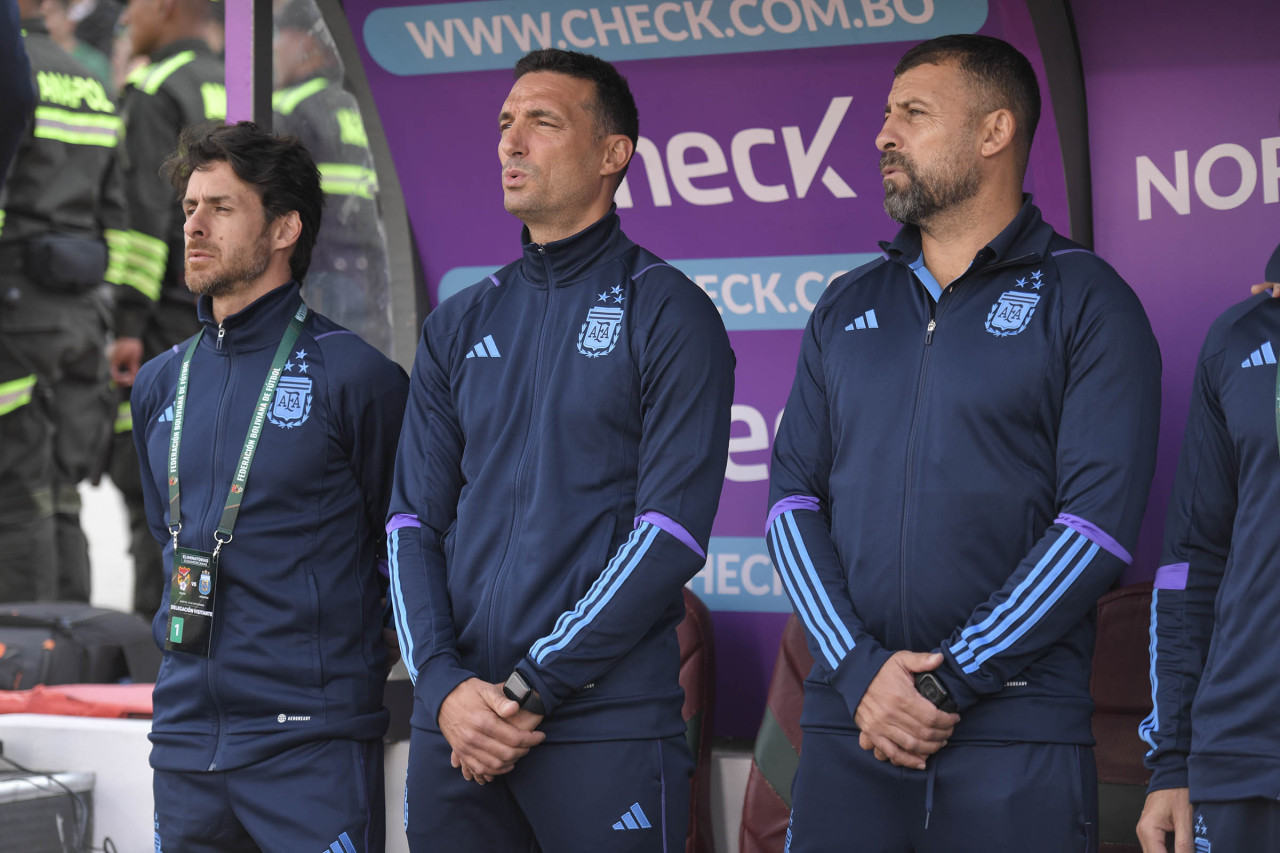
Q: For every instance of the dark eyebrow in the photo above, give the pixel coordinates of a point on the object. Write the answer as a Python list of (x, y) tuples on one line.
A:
[(540, 112), (212, 199)]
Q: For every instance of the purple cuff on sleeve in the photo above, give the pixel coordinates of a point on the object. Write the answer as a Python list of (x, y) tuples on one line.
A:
[(1096, 536), (661, 522), (788, 504), (1172, 576), (402, 519)]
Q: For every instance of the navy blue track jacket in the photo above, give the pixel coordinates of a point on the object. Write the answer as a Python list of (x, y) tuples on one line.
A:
[(1216, 604), (297, 650), (964, 471), (561, 462)]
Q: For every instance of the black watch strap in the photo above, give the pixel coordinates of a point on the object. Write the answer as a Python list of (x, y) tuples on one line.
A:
[(518, 690)]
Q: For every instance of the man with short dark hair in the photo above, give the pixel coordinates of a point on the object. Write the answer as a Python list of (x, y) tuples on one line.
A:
[(560, 465), (266, 443), (960, 474)]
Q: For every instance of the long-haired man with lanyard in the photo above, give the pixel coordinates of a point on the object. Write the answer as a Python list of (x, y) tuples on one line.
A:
[(266, 443)]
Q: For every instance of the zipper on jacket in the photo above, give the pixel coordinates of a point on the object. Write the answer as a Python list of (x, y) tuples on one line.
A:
[(529, 439), (934, 313), (210, 507)]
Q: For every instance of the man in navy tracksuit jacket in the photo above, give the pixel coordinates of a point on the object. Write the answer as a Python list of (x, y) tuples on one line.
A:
[(960, 474), (269, 738), (1214, 732), (560, 465)]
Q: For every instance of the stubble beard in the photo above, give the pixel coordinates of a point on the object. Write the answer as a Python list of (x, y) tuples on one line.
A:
[(241, 266), (929, 194)]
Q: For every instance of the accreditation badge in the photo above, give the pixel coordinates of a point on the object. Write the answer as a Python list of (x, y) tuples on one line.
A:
[(191, 594)]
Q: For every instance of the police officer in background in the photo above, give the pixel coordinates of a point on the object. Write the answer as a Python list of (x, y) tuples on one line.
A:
[(181, 86), (62, 205), (350, 280)]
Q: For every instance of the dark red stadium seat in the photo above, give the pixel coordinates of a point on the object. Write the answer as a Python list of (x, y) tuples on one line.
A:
[(767, 805), (697, 677), (1122, 695)]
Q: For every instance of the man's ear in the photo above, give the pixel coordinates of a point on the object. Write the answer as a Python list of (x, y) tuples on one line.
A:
[(997, 131), (618, 149), (288, 229)]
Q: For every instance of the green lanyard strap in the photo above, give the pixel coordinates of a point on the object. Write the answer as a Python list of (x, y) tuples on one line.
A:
[(241, 479)]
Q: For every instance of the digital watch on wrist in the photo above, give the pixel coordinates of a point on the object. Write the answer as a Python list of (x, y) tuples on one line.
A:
[(522, 693), (928, 686)]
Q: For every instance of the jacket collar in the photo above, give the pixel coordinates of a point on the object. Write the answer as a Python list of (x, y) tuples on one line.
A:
[(1025, 239), (257, 326), (561, 263), (173, 48)]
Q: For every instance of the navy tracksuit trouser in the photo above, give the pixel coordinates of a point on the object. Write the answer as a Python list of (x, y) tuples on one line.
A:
[(321, 797), (971, 798), (596, 797)]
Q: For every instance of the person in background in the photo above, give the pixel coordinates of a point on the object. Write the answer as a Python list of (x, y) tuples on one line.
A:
[(63, 31), (181, 86), (63, 204), (960, 473), (350, 279), (266, 442)]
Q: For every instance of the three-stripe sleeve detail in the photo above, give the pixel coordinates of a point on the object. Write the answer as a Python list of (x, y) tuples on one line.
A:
[(398, 609), (571, 623), (807, 592), (1043, 586), (1150, 725)]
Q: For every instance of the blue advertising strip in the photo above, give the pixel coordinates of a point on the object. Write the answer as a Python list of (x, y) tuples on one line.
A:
[(739, 577), (751, 294), (493, 34)]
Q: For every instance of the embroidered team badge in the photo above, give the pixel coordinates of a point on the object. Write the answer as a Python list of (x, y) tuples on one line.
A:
[(603, 325), (292, 404), (204, 583), (1011, 313)]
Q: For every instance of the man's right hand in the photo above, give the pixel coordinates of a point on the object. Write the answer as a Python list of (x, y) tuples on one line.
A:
[(1167, 811), (897, 723), (484, 742), (125, 356)]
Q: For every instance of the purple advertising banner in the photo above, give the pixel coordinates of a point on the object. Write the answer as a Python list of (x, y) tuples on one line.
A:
[(1184, 126), (756, 174)]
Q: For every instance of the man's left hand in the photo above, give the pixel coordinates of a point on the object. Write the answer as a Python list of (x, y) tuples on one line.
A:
[(1273, 286)]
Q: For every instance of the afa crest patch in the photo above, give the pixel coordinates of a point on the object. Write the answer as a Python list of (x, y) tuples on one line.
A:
[(205, 583), (603, 326), (1011, 313), (292, 405)]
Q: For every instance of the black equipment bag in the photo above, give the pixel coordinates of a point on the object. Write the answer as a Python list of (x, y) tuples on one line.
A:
[(67, 642)]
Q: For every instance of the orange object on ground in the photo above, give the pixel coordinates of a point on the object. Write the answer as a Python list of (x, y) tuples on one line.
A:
[(80, 700)]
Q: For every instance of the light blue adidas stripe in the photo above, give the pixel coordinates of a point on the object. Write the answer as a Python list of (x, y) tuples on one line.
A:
[(1039, 612), (807, 593), (342, 845), (983, 633), (1150, 725), (600, 594), (398, 609)]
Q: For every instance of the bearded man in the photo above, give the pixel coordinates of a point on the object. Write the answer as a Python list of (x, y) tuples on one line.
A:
[(961, 472), (266, 444)]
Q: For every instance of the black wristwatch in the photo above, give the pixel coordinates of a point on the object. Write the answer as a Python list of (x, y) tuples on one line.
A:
[(522, 693), (928, 686)]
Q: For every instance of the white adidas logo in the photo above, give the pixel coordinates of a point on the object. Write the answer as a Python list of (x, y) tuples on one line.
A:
[(485, 349), (866, 321), (633, 818), (1262, 355)]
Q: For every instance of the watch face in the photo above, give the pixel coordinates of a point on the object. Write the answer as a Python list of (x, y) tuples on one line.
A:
[(516, 689)]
